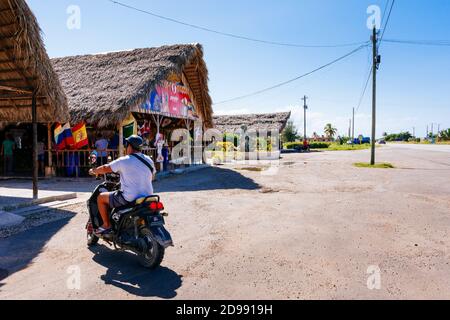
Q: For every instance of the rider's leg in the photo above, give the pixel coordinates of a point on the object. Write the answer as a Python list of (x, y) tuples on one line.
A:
[(103, 208)]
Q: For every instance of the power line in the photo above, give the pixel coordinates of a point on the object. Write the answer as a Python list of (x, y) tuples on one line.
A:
[(236, 36), (386, 24), (365, 89), (444, 43), (294, 79), (384, 12)]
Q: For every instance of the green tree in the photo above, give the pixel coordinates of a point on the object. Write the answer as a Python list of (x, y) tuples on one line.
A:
[(402, 136), (445, 135), (290, 133), (330, 131)]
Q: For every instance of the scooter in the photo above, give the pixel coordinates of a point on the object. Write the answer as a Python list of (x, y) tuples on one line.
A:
[(137, 227)]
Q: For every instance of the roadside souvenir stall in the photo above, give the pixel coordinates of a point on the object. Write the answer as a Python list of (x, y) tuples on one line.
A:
[(150, 92)]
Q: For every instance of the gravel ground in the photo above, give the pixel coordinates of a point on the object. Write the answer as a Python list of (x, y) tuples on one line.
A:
[(37, 219), (311, 231)]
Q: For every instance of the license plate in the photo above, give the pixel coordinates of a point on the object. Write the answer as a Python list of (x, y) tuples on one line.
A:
[(155, 221)]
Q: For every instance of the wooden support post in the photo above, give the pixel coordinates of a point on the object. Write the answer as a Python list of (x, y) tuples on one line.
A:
[(35, 146), (158, 126), (121, 150), (49, 144)]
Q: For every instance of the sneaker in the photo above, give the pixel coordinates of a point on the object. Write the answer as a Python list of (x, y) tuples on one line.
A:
[(102, 231)]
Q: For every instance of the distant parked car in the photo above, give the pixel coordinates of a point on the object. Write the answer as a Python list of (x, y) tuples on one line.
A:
[(381, 141)]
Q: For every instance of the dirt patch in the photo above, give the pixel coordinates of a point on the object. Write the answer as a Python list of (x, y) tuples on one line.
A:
[(268, 190)]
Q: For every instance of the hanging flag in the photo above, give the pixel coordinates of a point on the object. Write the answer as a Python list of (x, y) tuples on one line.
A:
[(129, 126), (144, 129), (80, 136), (59, 137), (67, 135)]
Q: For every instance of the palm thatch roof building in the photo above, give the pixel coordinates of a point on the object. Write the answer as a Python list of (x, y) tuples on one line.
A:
[(252, 122), (25, 69), (103, 89), (30, 90)]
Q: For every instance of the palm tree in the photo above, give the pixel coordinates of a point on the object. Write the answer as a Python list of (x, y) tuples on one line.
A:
[(330, 131)]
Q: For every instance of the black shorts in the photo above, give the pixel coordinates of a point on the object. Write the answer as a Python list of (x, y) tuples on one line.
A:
[(116, 199)]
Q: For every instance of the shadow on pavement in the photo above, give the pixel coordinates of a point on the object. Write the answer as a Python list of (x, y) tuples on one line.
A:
[(17, 251), (212, 178), (124, 272)]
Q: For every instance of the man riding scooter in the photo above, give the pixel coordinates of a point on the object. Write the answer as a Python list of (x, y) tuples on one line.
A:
[(136, 174)]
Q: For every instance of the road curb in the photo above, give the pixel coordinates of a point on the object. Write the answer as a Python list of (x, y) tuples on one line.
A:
[(67, 196)]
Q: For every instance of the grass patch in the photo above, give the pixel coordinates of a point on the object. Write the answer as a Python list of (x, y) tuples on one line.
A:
[(327, 146), (377, 165), (348, 147)]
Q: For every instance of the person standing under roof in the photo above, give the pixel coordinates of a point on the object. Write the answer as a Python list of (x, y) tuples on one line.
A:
[(7, 151)]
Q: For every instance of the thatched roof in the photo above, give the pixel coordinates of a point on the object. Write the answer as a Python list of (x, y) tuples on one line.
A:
[(25, 68), (103, 88), (263, 121)]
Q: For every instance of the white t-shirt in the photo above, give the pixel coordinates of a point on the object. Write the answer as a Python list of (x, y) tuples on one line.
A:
[(135, 177)]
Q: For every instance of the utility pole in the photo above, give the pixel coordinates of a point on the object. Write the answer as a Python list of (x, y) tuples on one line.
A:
[(305, 107), (427, 133), (353, 125), (349, 127), (432, 130), (376, 60), (414, 132)]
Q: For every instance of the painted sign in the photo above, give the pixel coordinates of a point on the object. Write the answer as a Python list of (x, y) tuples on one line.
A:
[(170, 98)]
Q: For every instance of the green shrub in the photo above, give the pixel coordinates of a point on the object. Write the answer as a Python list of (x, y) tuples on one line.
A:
[(312, 145), (293, 145), (319, 145)]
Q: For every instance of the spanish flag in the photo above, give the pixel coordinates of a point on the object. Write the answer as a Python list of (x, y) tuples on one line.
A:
[(80, 136)]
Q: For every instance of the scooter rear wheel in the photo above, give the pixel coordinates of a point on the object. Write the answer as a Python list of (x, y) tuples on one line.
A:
[(155, 253), (92, 239)]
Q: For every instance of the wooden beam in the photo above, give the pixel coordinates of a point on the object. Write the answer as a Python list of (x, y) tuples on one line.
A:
[(23, 106), (14, 89), (20, 97)]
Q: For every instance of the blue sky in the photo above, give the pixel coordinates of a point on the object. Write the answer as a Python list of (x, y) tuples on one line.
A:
[(413, 81)]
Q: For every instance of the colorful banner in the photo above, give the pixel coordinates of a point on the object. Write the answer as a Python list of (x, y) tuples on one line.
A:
[(170, 98), (63, 136), (80, 136), (129, 126)]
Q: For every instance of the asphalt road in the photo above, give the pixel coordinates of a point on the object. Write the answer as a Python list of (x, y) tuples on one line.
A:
[(315, 228), (422, 147)]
